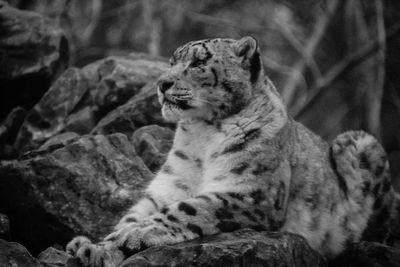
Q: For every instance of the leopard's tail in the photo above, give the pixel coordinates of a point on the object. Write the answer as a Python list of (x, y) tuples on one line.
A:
[(361, 165), (394, 237), (361, 161)]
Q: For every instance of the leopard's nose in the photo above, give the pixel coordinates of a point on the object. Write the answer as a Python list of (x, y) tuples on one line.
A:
[(165, 85)]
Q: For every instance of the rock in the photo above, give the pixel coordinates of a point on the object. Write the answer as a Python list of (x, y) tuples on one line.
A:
[(4, 227), (8, 131), (118, 79), (368, 254), (49, 116), (152, 143), (82, 121), (33, 52), (81, 188), (80, 98), (14, 254), (240, 248), (52, 257), (141, 110), (59, 141)]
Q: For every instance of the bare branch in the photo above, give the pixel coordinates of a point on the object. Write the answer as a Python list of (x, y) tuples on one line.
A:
[(374, 95), (296, 44), (222, 22), (278, 67), (288, 91), (342, 67), (154, 26), (94, 19)]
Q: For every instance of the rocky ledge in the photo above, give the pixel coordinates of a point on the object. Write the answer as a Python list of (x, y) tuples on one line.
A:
[(241, 248)]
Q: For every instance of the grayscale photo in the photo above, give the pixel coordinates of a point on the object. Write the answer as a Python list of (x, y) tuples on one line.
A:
[(209, 133)]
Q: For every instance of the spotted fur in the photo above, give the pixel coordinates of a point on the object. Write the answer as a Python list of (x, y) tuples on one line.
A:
[(238, 160)]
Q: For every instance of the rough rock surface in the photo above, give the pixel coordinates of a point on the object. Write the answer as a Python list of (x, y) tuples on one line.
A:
[(368, 254), (81, 188), (59, 140), (152, 143), (117, 79), (49, 115), (52, 257), (13, 254), (80, 98), (241, 248), (33, 51), (141, 110), (8, 131), (4, 227)]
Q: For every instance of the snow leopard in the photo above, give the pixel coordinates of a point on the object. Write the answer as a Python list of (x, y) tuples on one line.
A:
[(239, 160)]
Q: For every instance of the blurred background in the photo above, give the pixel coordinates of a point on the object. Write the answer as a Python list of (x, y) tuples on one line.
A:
[(335, 62)]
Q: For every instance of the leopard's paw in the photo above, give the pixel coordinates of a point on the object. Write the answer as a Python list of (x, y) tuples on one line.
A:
[(127, 239), (133, 240), (77, 242), (104, 254)]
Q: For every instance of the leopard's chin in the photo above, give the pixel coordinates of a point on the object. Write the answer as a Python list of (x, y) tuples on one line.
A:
[(171, 112), (177, 104), (171, 105)]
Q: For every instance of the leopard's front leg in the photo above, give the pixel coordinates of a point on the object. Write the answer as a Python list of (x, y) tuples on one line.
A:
[(165, 188), (202, 215), (83, 248)]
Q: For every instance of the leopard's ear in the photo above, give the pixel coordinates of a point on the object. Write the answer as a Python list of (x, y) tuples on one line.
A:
[(247, 48)]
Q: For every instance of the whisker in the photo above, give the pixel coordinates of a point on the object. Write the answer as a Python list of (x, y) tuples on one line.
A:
[(186, 97), (183, 98), (178, 95), (202, 100)]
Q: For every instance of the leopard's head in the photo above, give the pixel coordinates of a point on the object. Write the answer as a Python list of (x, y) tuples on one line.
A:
[(210, 79)]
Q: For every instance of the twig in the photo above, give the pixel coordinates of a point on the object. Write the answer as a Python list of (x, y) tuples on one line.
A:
[(95, 17), (321, 25), (374, 95), (343, 66), (128, 6), (275, 66), (221, 22), (296, 44), (153, 25), (272, 64)]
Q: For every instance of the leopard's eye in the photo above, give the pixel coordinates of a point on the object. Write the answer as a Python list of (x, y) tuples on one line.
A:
[(197, 63)]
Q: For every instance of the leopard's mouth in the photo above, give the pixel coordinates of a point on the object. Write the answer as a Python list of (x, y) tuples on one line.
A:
[(176, 102)]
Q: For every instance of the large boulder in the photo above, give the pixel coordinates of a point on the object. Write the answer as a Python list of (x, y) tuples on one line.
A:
[(14, 254), (141, 110), (52, 257), (115, 80), (50, 114), (9, 128), (241, 248), (94, 95), (368, 254), (4, 227), (82, 187), (33, 52)]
